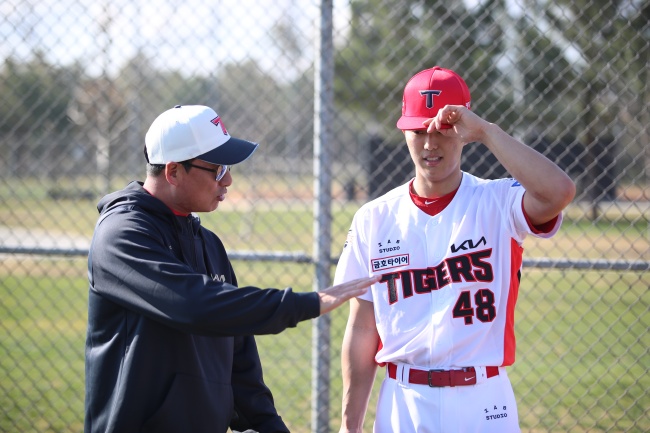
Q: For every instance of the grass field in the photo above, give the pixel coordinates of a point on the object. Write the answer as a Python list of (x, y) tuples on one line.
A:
[(263, 214), (582, 335), (582, 354)]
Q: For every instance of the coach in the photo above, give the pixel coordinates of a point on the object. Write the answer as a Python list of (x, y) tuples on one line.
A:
[(170, 344)]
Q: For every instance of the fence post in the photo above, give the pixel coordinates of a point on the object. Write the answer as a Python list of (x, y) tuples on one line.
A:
[(323, 100)]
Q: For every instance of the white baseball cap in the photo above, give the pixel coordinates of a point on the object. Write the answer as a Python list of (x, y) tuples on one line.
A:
[(193, 131)]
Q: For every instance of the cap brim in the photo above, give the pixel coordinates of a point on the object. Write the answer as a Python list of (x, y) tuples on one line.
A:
[(413, 123), (233, 151)]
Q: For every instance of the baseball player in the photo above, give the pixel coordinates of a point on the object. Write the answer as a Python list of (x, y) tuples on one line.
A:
[(448, 248)]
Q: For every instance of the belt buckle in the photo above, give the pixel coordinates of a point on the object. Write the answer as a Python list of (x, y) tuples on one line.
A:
[(429, 377)]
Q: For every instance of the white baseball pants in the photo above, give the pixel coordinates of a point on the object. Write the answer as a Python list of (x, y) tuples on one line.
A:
[(487, 407)]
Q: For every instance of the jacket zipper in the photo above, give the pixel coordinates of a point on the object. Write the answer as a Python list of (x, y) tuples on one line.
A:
[(193, 243)]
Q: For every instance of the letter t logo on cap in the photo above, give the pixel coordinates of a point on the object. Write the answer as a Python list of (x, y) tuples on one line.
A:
[(430, 94), (217, 121)]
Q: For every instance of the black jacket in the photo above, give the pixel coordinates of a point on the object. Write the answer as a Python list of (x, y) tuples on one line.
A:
[(169, 346)]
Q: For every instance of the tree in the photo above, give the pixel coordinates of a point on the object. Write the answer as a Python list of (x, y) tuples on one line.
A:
[(34, 121), (612, 93)]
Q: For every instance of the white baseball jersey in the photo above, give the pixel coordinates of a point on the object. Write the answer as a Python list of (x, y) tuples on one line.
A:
[(449, 282)]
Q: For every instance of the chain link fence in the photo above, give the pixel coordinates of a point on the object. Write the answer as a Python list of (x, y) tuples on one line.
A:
[(80, 82)]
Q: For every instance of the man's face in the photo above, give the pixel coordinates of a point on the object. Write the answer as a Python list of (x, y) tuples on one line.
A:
[(436, 156), (198, 190)]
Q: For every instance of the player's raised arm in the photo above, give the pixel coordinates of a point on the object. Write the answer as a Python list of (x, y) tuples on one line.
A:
[(548, 188)]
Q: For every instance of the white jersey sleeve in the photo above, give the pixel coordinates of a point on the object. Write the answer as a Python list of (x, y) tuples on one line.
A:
[(353, 262), (515, 194)]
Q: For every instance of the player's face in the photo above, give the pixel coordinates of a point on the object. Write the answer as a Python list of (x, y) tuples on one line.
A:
[(436, 158), (199, 191)]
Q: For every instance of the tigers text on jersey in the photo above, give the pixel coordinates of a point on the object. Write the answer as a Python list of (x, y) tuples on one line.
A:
[(450, 281)]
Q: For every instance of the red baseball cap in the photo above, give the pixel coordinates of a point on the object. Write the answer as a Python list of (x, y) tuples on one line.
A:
[(427, 92)]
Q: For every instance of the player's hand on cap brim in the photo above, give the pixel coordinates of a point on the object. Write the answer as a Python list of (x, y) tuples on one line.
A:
[(466, 124), (447, 116)]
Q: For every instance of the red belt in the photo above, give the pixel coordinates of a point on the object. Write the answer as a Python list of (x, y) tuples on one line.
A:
[(438, 378)]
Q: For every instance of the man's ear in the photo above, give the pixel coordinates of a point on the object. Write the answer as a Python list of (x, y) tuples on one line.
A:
[(171, 172)]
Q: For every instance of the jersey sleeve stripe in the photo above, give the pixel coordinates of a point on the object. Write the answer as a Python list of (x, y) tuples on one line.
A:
[(509, 343)]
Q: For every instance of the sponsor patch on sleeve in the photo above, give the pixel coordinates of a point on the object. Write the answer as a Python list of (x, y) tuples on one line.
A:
[(389, 262)]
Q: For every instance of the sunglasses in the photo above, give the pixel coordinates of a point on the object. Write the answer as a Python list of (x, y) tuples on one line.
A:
[(220, 171)]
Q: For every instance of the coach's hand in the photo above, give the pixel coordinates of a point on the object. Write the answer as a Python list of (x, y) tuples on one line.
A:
[(333, 297)]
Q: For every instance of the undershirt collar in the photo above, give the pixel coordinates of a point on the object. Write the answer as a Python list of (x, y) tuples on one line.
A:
[(431, 206)]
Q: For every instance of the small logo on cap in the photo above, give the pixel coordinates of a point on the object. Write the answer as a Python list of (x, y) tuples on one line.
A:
[(430, 94), (217, 121)]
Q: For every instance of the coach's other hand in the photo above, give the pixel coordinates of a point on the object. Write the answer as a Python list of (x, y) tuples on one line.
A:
[(333, 297)]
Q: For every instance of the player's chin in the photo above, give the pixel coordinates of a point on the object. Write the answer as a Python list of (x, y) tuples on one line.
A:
[(431, 169)]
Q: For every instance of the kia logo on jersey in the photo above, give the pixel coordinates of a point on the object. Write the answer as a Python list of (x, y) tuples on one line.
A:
[(468, 245)]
